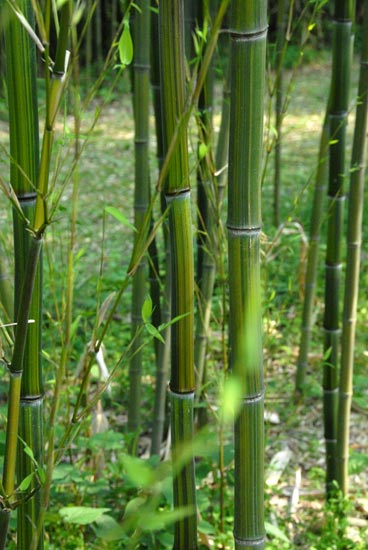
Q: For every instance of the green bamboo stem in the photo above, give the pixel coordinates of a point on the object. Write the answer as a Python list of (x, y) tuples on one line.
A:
[(248, 49), (141, 87), (279, 105), (163, 355), (312, 260), (25, 396), (68, 314), (6, 299), (337, 119), (206, 264), (215, 192), (354, 241), (171, 27)]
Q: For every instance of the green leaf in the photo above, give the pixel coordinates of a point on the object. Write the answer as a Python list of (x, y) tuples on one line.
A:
[(81, 515), (202, 151), (41, 474), (133, 506), (139, 473), (108, 529), (119, 216), (275, 532), (147, 310), (126, 46), (26, 482), (154, 332)]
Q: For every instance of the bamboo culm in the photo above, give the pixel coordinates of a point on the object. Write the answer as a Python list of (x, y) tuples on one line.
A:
[(354, 240), (177, 191), (248, 52), (337, 120), (141, 70)]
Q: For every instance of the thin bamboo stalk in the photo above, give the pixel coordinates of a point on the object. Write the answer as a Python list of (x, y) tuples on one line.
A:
[(248, 50), (141, 88), (163, 350), (337, 120), (279, 104), (6, 293), (171, 28), (354, 241)]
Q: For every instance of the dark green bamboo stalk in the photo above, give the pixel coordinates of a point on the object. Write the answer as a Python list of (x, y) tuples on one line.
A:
[(312, 260), (206, 197), (141, 90), (354, 240), (163, 350), (24, 149), (279, 104), (337, 119), (171, 28), (248, 49)]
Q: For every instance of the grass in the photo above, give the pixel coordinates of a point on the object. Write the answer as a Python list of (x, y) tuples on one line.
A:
[(94, 471)]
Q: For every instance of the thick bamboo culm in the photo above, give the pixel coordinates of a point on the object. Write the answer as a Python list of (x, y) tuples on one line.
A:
[(177, 190), (26, 366), (354, 241), (248, 50), (337, 120), (141, 93)]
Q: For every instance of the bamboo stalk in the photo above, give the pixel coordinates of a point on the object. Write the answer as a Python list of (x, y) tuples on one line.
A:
[(248, 48), (163, 355), (171, 28), (25, 398), (279, 104), (354, 241), (141, 87), (337, 120)]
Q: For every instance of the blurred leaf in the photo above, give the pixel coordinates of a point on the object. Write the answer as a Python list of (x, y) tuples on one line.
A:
[(139, 473), (126, 46), (275, 532), (108, 529), (119, 216), (81, 515), (147, 310), (154, 332)]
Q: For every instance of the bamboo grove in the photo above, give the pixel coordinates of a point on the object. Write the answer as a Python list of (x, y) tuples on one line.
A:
[(193, 270)]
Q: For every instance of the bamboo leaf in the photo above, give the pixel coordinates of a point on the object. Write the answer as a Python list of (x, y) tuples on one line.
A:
[(125, 46), (26, 482), (119, 216), (147, 310), (202, 151), (154, 332), (81, 515)]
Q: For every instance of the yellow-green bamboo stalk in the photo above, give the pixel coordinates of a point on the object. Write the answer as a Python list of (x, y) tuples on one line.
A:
[(248, 50), (141, 92), (337, 119), (354, 241), (171, 28)]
